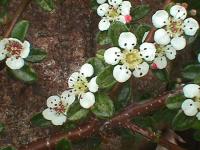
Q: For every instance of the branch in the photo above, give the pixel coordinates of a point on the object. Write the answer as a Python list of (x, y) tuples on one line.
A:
[(94, 125), (152, 136), (18, 13)]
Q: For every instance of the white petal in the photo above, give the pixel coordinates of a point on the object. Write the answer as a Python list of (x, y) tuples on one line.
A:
[(26, 49), (102, 9), (53, 101), (104, 24), (144, 36), (3, 42), (121, 73), (199, 57), (49, 114), (72, 79), (189, 107), (59, 120), (87, 70), (127, 40), (2, 54), (93, 87), (101, 1), (121, 19), (125, 8), (16, 40), (191, 90), (161, 37), (170, 52), (161, 62), (112, 55), (178, 43), (190, 26), (115, 3), (198, 115), (178, 12), (148, 51), (87, 100), (160, 18), (141, 70), (15, 63), (68, 97)]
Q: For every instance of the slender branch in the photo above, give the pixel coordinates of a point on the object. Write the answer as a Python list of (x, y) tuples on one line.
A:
[(18, 13), (94, 125), (152, 136)]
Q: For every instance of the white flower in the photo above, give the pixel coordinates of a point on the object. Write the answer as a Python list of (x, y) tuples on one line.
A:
[(199, 57), (191, 105), (162, 53), (83, 88), (58, 107), (129, 60), (173, 26), (114, 10), (14, 51), (101, 1)]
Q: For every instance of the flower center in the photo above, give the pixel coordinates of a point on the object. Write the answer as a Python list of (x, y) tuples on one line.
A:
[(174, 27), (160, 50), (61, 109), (81, 85), (14, 48), (131, 58)]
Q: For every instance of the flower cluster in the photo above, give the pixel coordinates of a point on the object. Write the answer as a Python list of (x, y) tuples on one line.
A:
[(129, 58), (81, 86), (14, 51), (114, 10), (191, 106), (170, 34)]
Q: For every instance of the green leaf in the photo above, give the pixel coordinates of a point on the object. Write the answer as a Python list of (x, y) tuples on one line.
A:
[(63, 145), (182, 122), (197, 80), (36, 55), (100, 54), (161, 74), (94, 5), (196, 136), (2, 127), (124, 96), (103, 38), (191, 71), (4, 2), (97, 64), (47, 5), (105, 78), (196, 124), (175, 102), (115, 30), (140, 31), (82, 113), (20, 30), (7, 148), (26, 74), (103, 107), (139, 12), (39, 121)]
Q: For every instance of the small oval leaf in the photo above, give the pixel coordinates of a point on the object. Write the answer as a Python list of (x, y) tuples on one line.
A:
[(26, 74), (39, 121), (36, 55), (20, 30), (103, 107)]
